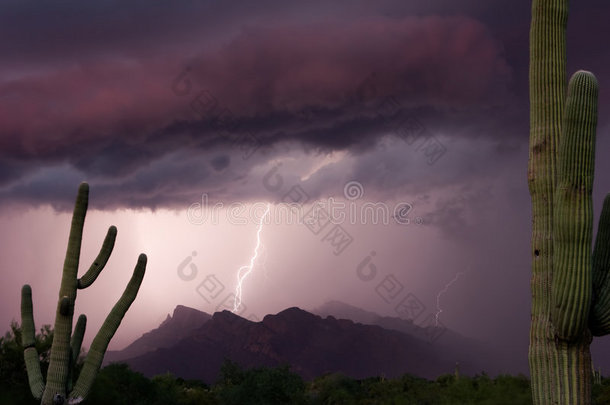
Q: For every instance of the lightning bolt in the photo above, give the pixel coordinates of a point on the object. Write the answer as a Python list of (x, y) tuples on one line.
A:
[(444, 290), (244, 271)]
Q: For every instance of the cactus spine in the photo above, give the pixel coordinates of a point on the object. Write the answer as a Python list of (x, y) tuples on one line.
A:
[(570, 294), (66, 345)]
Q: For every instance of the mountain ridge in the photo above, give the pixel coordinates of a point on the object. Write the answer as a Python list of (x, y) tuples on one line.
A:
[(310, 344)]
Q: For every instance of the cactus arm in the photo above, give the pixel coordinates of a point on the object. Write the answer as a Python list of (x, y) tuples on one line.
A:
[(28, 341), (35, 379), (77, 341), (573, 210), (600, 313), (99, 345), (100, 261), (27, 318), (68, 280), (77, 337), (59, 363)]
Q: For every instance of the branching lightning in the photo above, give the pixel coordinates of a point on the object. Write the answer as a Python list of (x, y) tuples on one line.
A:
[(244, 271), (441, 292)]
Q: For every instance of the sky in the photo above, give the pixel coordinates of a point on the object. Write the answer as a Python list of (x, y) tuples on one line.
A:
[(388, 141)]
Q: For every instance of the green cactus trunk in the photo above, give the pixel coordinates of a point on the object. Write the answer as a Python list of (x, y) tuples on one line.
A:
[(66, 345), (570, 295)]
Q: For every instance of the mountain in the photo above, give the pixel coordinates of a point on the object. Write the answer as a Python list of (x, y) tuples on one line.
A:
[(442, 337), (342, 310), (310, 344), (176, 327), (448, 343)]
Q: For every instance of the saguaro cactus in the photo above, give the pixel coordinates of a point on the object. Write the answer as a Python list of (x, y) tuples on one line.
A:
[(570, 292), (66, 345)]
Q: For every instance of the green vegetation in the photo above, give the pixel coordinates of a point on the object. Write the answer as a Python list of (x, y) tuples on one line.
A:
[(66, 345), (116, 384), (14, 387)]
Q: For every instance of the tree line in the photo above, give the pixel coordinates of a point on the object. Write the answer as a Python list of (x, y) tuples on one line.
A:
[(118, 384)]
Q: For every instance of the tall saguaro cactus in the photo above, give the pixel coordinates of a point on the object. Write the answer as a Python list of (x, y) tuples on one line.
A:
[(66, 345), (570, 292)]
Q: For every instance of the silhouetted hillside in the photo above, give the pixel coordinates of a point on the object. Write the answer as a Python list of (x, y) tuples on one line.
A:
[(176, 327), (448, 343), (310, 344)]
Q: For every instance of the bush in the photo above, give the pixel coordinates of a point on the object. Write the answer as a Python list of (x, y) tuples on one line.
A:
[(260, 386), (116, 384), (14, 385)]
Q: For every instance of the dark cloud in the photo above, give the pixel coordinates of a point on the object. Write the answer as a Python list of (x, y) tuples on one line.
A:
[(219, 163), (317, 83), (113, 93)]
